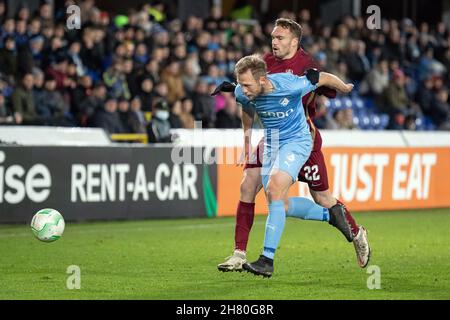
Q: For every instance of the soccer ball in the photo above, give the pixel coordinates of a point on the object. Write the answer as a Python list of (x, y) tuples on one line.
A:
[(48, 225)]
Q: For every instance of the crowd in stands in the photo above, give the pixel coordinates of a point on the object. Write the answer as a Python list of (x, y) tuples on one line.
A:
[(145, 71)]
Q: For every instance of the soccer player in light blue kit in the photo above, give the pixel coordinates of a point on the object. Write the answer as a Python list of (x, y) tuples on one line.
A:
[(277, 99)]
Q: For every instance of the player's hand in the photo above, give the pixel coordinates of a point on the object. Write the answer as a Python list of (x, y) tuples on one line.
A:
[(347, 88), (224, 87)]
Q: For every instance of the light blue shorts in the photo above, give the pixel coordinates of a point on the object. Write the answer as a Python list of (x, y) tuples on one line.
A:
[(289, 157)]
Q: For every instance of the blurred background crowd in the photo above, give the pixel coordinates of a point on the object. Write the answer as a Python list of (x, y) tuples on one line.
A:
[(147, 71)]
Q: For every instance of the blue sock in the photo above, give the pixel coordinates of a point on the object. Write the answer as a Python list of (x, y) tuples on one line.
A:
[(274, 227), (307, 210)]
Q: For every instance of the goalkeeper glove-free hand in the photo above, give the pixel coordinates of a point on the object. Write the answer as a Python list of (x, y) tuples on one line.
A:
[(224, 87)]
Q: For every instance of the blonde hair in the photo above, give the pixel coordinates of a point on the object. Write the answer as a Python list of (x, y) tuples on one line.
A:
[(254, 63)]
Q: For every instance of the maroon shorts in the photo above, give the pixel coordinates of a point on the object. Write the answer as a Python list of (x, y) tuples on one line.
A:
[(313, 172)]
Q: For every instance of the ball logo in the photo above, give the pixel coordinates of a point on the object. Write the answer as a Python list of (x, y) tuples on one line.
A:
[(16, 183)]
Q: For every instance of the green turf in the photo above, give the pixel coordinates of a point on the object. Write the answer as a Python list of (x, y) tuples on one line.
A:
[(176, 259)]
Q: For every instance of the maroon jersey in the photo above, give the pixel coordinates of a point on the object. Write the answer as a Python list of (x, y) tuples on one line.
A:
[(298, 65)]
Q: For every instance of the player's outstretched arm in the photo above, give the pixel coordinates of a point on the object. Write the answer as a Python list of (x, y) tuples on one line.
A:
[(332, 81)]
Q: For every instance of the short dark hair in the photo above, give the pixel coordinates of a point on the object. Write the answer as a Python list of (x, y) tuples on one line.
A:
[(295, 28)]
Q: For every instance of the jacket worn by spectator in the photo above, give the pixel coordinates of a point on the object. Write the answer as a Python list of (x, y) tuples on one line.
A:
[(108, 118), (159, 128), (23, 103)]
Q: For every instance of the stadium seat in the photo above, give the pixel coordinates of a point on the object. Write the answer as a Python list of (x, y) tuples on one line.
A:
[(347, 102), (420, 124), (358, 103), (375, 122), (337, 103), (428, 124), (356, 121), (384, 118)]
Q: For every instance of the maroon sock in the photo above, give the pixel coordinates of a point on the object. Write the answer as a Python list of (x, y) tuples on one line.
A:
[(244, 221), (350, 220)]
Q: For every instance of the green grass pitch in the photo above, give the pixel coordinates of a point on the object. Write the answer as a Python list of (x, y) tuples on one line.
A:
[(176, 259)]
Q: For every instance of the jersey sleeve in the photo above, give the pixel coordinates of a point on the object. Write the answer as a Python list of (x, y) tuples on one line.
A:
[(303, 86)]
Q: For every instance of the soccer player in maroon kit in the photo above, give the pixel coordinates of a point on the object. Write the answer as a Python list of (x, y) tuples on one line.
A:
[(288, 56)]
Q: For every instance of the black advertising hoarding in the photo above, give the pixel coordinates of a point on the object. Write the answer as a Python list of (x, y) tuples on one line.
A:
[(103, 183)]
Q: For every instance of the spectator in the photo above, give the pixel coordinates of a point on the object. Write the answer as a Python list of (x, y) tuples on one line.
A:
[(131, 77), (146, 94), (396, 100), (229, 117), (58, 70), (23, 102), (116, 82), (172, 76), (186, 117), (36, 47), (79, 95), (108, 118), (6, 116), (425, 96), (322, 119), (159, 127), (52, 108), (91, 104), (141, 56), (190, 74), (8, 57), (125, 50), (2, 11), (440, 110), (356, 60), (45, 13), (123, 107), (161, 90), (203, 109), (377, 80), (410, 122), (343, 119), (152, 70), (175, 112), (74, 56), (137, 118)]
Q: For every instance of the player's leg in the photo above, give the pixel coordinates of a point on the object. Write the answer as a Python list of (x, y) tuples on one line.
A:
[(279, 172), (314, 173), (276, 189), (359, 233), (250, 186)]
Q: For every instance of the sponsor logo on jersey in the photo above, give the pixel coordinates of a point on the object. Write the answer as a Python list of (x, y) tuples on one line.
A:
[(284, 102), (279, 114)]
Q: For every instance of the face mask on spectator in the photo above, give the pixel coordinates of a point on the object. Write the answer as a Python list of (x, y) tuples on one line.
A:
[(162, 114)]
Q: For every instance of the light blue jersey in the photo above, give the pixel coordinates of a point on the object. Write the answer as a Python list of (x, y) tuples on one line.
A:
[(281, 111), (288, 141)]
